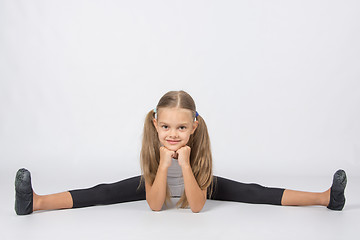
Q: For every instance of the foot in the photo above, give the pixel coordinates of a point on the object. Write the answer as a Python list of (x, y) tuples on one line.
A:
[(337, 196), (23, 192)]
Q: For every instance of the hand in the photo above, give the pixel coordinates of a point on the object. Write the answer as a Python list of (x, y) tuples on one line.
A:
[(165, 157), (184, 156)]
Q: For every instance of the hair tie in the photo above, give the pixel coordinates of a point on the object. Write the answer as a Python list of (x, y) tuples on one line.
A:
[(155, 113)]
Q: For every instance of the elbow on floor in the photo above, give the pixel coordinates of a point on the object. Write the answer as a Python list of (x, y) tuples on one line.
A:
[(153, 207), (196, 210), (156, 209)]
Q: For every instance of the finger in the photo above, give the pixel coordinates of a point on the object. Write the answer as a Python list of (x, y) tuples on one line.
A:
[(175, 155)]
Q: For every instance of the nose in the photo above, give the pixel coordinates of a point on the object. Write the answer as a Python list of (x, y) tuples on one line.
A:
[(173, 133)]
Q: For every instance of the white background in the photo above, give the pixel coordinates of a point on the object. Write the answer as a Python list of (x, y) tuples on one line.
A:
[(278, 83)]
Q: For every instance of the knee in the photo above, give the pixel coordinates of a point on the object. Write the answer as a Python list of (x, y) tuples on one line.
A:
[(101, 193)]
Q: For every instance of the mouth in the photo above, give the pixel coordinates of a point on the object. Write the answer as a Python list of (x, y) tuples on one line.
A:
[(173, 141)]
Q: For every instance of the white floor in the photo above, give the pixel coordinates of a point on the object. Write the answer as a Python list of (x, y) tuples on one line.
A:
[(218, 220)]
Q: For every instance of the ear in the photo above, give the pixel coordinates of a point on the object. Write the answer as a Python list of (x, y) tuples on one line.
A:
[(155, 123), (195, 125)]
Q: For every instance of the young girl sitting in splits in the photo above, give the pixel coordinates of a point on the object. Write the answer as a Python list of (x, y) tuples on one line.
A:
[(176, 161)]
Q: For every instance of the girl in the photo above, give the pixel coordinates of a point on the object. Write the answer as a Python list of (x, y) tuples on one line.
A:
[(175, 161)]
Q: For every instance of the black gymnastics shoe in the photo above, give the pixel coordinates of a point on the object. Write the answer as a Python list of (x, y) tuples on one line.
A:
[(337, 196), (23, 192)]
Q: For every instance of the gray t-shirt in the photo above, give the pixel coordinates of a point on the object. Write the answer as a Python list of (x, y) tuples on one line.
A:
[(175, 179)]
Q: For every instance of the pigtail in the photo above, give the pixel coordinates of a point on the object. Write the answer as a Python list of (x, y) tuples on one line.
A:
[(200, 159), (150, 153), (148, 156)]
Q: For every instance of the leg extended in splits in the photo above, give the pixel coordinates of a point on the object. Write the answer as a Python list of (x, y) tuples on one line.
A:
[(27, 201), (229, 190)]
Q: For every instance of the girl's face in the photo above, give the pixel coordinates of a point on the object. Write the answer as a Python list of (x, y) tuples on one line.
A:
[(174, 127)]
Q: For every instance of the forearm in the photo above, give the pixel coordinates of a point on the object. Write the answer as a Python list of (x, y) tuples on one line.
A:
[(156, 196), (194, 194)]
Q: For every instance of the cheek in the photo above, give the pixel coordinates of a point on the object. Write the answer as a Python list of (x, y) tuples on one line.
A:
[(161, 135), (185, 136)]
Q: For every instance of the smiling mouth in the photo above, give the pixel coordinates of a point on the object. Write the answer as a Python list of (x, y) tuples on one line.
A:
[(172, 142)]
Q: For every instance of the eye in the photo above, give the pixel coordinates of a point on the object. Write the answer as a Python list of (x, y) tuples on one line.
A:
[(182, 128), (164, 126)]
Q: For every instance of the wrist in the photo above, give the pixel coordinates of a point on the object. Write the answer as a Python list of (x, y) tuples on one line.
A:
[(185, 166), (163, 167)]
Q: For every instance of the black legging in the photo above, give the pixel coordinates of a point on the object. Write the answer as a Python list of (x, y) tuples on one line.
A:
[(127, 190)]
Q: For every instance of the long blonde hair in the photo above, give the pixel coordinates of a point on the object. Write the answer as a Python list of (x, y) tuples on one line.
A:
[(199, 142)]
